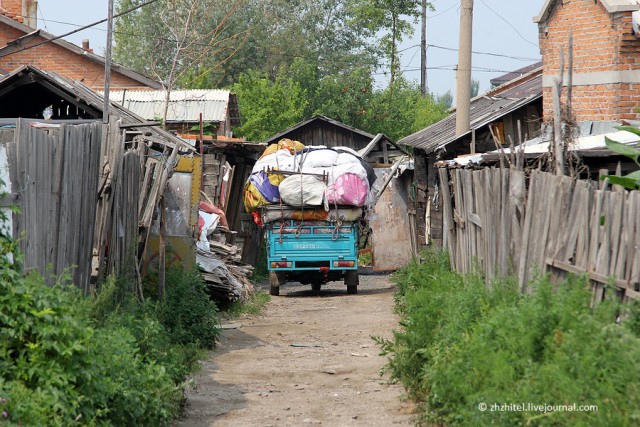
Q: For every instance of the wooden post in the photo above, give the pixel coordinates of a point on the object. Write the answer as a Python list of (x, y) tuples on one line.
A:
[(473, 141), (557, 119), (162, 252), (423, 51), (201, 154)]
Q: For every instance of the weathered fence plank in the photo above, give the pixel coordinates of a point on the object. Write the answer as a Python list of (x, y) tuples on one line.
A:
[(54, 179), (449, 225), (556, 223)]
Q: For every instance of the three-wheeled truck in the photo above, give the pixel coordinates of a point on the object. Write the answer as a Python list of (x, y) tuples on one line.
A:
[(312, 252)]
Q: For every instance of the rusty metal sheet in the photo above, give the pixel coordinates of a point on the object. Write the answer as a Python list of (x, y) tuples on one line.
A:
[(391, 235)]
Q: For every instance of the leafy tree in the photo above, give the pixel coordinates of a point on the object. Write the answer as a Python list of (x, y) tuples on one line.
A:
[(346, 97), (400, 110), (179, 39), (475, 87), (268, 107), (446, 99), (395, 18), (275, 32)]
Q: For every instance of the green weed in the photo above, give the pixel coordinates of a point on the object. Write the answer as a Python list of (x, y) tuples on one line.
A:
[(463, 344), (257, 302)]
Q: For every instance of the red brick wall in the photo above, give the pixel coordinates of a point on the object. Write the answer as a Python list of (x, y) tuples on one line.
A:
[(51, 57), (601, 42), (13, 6)]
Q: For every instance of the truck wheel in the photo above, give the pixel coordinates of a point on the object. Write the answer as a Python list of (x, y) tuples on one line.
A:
[(352, 280), (316, 287), (275, 280)]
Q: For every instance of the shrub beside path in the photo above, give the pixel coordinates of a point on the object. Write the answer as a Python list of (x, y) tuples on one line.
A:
[(307, 359)]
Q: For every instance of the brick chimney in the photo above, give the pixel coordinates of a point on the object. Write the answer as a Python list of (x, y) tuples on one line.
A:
[(85, 45), (25, 11), (606, 57)]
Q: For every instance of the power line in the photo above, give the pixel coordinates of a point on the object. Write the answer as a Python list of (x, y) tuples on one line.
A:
[(518, 58), (508, 23), (77, 30), (444, 11), (447, 68)]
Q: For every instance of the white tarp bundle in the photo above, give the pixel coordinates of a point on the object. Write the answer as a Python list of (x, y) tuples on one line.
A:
[(323, 176), (303, 190)]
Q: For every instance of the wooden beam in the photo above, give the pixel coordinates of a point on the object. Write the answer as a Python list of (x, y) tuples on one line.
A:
[(139, 125), (70, 98), (592, 275)]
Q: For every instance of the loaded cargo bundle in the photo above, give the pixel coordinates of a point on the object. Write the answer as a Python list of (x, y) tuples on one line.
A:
[(311, 179)]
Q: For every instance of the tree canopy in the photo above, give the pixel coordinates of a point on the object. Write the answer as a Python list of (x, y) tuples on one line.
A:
[(286, 60)]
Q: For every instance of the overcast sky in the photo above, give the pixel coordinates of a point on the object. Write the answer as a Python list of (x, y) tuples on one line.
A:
[(500, 27)]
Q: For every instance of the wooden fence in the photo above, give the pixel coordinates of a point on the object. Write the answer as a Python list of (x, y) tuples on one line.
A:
[(505, 222), (86, 196), (54, 181)]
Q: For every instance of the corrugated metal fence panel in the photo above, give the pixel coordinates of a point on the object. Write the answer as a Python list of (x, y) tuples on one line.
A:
[(56, 182)]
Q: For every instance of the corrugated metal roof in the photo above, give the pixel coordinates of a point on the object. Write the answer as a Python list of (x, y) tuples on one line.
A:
[(591, 139), (184, 105), (485, 109)]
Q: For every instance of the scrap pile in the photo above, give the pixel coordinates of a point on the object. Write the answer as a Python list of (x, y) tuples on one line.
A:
[(291, 181), (226, 277)]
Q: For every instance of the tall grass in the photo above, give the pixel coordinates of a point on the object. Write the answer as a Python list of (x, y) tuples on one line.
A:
[(463, 344)]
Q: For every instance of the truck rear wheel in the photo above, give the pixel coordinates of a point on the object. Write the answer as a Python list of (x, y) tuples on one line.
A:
[(352, 280), (275, 280)]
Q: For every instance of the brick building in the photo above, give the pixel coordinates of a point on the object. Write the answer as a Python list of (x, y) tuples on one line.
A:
[(606, 56), (18, 35)]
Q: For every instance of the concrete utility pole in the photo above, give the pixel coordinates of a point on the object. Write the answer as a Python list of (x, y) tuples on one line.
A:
[(423, 51), (463, 86)]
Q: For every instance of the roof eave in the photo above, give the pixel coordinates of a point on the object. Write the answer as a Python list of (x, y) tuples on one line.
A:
[(612, 6), (134, 75)]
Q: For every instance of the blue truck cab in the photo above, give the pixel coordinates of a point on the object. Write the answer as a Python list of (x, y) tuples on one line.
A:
[(312, 252)]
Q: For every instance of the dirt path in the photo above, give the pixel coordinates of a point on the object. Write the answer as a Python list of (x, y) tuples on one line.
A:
[(308, 359)]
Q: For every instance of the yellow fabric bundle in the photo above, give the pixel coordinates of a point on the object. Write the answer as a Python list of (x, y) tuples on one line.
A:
[(284, 144), (252, 197)]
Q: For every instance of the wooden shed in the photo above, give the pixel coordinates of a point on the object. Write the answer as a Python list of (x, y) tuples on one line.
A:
[(392, 244), (510, 112), (321, 130)]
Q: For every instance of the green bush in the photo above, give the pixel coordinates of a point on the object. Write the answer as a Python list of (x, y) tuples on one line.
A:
[(463, 344), (108, 360), (58, 369), (186, 311)]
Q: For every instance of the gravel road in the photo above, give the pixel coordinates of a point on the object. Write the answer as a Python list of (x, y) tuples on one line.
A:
[(308, 359)]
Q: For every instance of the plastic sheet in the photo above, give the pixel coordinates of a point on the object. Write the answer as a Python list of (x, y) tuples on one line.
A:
[(348, 189), (302, 190)]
